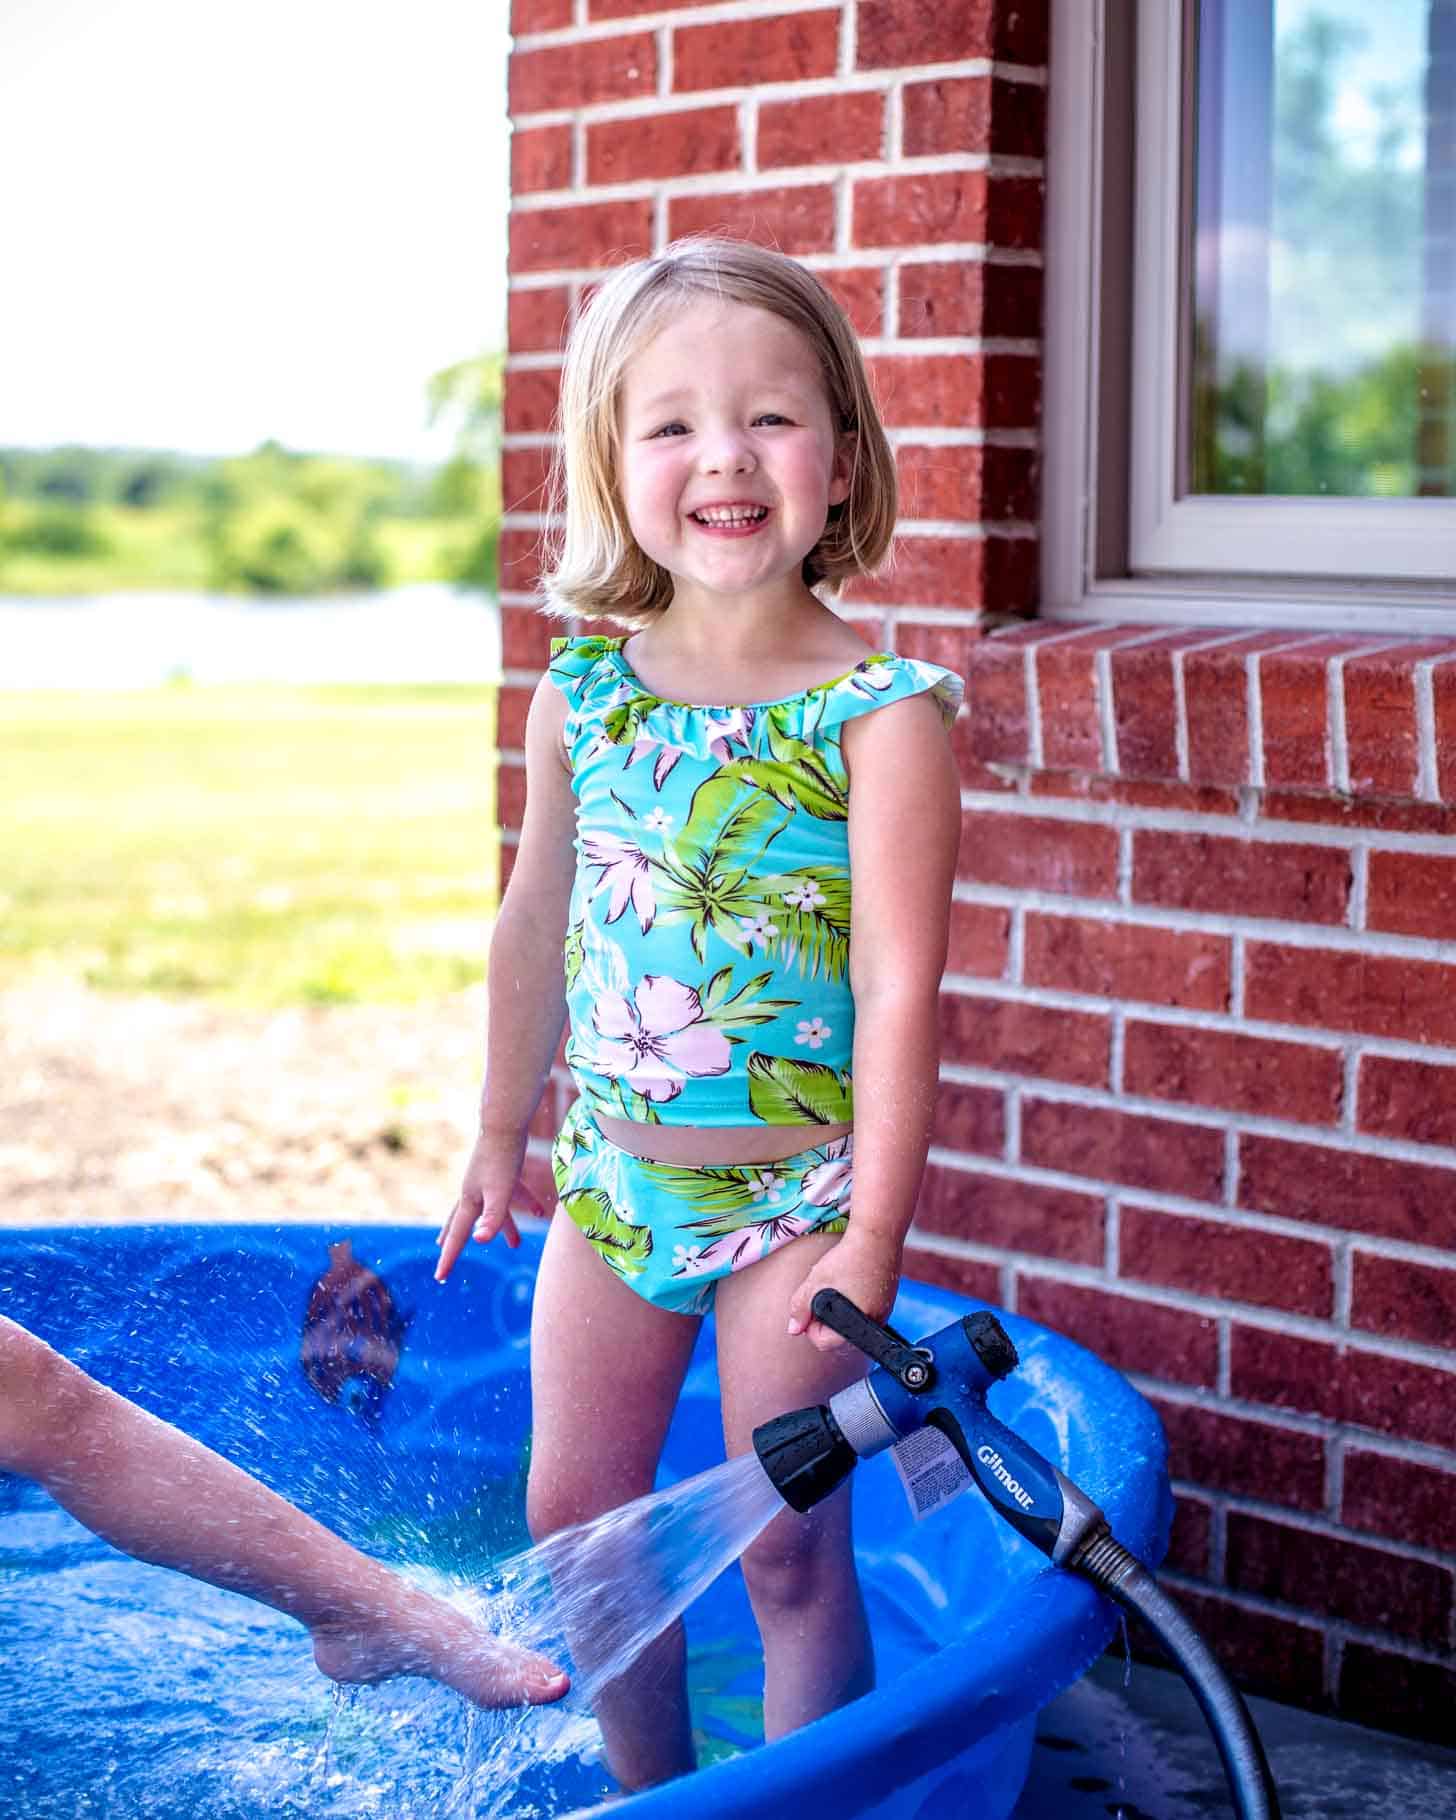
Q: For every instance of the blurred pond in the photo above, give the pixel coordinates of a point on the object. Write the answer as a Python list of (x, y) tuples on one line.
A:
[(427, 632)]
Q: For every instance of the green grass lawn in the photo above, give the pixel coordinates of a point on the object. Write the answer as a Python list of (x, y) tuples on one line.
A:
[(259, 846)]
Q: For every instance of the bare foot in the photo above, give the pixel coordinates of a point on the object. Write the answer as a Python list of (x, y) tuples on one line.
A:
[(427, 1636)]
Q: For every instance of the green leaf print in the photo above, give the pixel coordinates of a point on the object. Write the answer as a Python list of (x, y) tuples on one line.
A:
[(813, 944), (792, 782), (811, 912), (782, 1091), (622, 723), (800, 756), (564, 1147), (715, 992), (707, 899), (624, 1246), (730, 820), (604, 965), (723, 1192), (618, 1101), (743, 1008), (575, 952)]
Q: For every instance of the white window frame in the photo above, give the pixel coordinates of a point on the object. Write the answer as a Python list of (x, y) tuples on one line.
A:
[(1116, 541)]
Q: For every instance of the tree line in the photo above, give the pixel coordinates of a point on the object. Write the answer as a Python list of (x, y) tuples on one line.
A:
[(275, 521)]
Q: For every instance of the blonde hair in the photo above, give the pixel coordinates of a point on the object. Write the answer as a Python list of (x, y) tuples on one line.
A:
[(597, 569)]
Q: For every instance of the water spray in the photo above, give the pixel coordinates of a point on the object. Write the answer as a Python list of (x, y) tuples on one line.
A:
[(942, 1383)]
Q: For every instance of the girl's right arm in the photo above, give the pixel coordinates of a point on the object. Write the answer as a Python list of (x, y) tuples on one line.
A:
[(526, 990)]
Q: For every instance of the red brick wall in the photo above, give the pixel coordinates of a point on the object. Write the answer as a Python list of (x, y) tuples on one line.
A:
[(1204, 1021), (1199, 1106)]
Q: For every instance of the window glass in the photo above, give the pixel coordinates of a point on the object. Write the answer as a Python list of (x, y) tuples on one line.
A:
[(1324, 250)]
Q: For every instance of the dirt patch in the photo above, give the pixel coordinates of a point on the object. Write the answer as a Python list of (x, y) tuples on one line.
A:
[(147, 1109)]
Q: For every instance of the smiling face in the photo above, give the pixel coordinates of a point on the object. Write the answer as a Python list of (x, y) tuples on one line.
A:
[(729, 457)]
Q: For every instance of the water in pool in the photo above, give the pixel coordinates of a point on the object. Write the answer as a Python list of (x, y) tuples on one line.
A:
[(242, 1724), (128, 1691)]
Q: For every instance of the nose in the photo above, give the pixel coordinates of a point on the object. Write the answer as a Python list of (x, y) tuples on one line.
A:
[(727, 452)]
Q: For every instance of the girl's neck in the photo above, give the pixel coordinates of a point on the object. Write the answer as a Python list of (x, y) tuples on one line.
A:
[(742, 652), (746, 630)]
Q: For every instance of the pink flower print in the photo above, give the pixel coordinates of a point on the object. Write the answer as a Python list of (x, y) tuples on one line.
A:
[(662, 765), (766, 1186), (782, 1227), (734, 726), (735, 1251), (657, 1038), (626, 872), (757, 930), (871, 678), (812, 1031), (806, 895), (831, 1182)]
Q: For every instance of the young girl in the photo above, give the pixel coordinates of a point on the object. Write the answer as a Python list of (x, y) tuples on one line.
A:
[(700, 795)]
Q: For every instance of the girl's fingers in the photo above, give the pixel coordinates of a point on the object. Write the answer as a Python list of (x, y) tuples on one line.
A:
[(452, 1241), (464, 1224), (800, 1318)]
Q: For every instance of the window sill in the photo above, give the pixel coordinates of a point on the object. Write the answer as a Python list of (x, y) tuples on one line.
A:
[(1261, 604)]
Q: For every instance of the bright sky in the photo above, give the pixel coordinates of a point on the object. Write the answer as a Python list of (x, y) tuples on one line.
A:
[(229, 222), (1390, 50)]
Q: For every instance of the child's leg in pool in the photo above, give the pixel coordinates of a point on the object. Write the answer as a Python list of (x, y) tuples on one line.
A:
[(606, 1370), (800, 1572), (146, 1487)]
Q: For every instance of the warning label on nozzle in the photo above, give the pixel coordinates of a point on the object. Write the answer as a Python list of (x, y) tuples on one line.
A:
[(930, 1469)]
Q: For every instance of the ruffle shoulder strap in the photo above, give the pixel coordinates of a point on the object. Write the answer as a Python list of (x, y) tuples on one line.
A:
[(579, 663), (882, 679)]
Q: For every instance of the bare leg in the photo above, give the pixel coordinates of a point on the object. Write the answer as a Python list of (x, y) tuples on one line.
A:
[(146, 1487), (800, 1572), (606, 1370)]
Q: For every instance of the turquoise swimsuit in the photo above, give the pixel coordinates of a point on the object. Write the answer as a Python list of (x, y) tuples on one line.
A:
[(707, 956)]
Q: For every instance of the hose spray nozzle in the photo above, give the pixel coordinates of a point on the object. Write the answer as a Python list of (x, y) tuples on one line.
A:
[(940, 1382)]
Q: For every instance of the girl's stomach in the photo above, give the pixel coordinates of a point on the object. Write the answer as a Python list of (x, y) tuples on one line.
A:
[(716, 1144)]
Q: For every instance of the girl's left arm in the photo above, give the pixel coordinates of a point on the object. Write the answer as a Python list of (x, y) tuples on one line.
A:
[(904, 831)]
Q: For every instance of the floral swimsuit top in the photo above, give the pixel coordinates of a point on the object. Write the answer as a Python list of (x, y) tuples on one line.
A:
[(707, 953)]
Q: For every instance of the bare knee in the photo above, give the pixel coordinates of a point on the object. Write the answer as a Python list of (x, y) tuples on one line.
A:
[(548, 1507), (558, 1497), (45, 1402), (796, 1562)]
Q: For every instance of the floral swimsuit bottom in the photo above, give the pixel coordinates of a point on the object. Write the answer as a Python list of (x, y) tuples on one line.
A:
[(707, 958), (671, 1230)]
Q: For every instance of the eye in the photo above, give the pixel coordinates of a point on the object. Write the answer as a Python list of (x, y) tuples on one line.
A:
[(669, 429), (771, 417)]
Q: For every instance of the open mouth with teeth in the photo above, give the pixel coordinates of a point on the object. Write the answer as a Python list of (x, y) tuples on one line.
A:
[(729, 518)]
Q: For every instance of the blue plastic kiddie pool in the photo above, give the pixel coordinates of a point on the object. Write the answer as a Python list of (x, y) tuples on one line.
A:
[(128, 1690)]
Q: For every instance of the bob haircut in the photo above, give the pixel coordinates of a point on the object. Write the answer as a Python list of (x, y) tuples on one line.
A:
[(599, 571)]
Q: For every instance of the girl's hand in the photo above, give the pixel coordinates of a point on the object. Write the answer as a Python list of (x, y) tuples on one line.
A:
[(866, 1270), (491, 1185)]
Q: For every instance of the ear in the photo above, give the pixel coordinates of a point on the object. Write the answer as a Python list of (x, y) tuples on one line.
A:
[(842, 469)]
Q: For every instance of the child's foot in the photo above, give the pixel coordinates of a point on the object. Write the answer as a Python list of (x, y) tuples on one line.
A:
[(432, 1638)]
